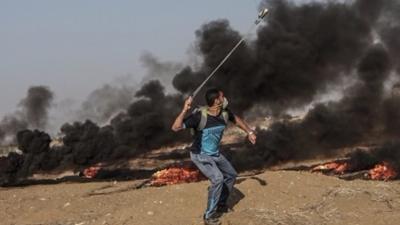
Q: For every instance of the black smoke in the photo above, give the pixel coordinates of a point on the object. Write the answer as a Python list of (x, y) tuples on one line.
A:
[(164, 71), (36, 106), (9, 167), (147, 122), (32, 114), (355, 119), (145, 125), (301, 51), (361, 159), (388, 27), (105, 102)]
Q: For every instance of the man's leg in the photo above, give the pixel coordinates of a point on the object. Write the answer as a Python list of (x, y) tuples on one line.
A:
[(209, 168), (230, 175), (222, 204)]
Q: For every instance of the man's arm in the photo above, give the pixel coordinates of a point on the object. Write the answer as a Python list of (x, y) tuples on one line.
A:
[(178, 123), (246, 128)]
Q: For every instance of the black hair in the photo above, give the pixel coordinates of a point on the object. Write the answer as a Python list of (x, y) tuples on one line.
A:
[(211, 95)]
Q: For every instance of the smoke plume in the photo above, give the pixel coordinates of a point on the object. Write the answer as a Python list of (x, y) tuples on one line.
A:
[(105, 102), (330, 126), (32, 114), (301, 51), (163, 71), (109, 100), (35, 106)]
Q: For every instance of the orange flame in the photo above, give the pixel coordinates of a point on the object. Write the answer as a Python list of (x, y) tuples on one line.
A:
[(337, 167), (176, 175), (383, 171), (91, 172)]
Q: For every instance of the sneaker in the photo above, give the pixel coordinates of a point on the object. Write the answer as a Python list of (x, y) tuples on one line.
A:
[(211, 221), (224, 209)]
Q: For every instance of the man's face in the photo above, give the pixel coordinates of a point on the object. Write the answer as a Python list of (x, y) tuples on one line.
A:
[(220, 99)]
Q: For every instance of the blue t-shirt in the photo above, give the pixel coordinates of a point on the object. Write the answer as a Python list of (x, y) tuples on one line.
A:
[(207, 140)]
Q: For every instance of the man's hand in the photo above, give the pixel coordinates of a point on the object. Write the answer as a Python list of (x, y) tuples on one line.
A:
[(246, 128), (188, 104), (252, 137)]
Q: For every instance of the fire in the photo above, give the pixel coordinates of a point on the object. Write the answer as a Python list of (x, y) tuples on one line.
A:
[(176, 175), (383, 171), (91, 172), (336, 167)]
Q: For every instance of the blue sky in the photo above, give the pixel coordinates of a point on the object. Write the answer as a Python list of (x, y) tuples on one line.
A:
[(75, 46)]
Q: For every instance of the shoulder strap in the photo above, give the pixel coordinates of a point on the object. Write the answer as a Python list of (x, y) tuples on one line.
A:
[(203, 118), (225, 115)]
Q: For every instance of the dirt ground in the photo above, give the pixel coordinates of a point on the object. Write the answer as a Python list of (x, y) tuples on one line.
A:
[(273, 197)]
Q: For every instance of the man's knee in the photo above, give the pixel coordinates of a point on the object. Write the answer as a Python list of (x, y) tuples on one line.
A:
[(217, 179), (232, 175)]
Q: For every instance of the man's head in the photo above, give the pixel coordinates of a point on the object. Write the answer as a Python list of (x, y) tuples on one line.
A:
[(214, 97)]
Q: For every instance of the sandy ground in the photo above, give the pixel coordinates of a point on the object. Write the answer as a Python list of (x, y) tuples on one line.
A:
[(274, 197)]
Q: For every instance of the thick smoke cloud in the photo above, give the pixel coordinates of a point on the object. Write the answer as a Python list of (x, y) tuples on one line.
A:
[(361, 159), (295, 57), (164, 71), (105, 102), (32, 114), (302, 49), (9, 126), (35, 106), (333, 125), (388, 26), (147, 122), (109, 100), (145, 125), (87, 142)]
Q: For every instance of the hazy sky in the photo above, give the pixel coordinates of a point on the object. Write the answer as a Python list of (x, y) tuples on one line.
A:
[(75, 46)]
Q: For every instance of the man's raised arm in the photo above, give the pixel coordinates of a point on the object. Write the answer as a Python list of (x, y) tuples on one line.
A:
[(178, 123)]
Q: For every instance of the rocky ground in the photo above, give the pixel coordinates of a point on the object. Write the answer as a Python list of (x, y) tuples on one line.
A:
[(276, 197), (272, 197)]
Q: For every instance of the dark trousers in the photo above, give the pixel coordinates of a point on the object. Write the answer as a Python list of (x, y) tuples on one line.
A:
[(222, 176)]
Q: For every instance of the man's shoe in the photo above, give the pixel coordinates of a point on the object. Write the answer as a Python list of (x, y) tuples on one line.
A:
[(224, 209), (211, 221)]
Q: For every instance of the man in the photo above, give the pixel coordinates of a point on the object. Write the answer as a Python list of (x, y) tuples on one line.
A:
[(209, 124)]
